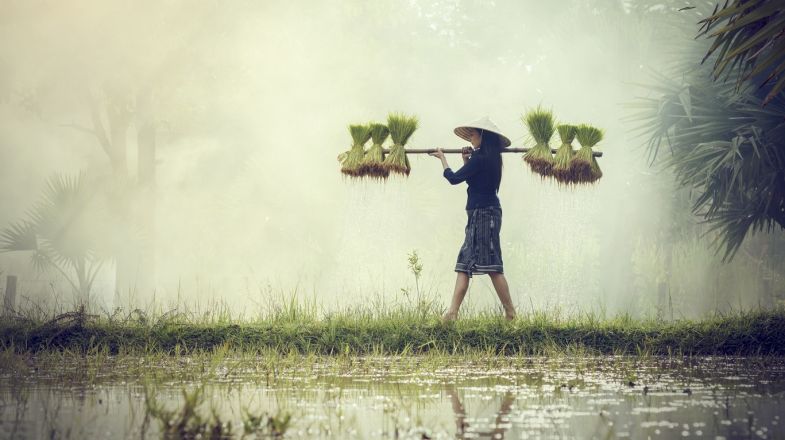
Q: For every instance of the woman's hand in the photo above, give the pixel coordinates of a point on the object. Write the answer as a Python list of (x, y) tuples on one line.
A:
[(440, 154), (466, 153)]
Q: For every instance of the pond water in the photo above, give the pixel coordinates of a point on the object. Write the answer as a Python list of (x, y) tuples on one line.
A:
[(399, 397)]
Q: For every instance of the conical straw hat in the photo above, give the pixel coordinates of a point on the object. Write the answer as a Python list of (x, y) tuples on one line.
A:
[(483, 123)]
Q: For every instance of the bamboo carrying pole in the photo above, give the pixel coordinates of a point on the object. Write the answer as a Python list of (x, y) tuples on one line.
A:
[(458, 150)]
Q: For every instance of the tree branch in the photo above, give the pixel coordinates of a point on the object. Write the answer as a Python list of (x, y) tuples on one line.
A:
[(82, 129), (99, 130)]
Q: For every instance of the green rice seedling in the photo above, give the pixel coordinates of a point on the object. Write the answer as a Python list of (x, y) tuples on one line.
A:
[(561, 162), (372, 163), (584, 166), (351, 160), (540, 123), (401, 129)]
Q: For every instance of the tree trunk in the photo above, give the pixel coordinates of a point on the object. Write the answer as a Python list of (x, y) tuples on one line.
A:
[(146, 208), (119, 118), (127, 258), (664, 305), (767, 290), (9, 303), (81, 279)]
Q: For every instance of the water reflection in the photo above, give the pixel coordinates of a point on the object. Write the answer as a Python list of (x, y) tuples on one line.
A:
[(411, 398), (501, 424)]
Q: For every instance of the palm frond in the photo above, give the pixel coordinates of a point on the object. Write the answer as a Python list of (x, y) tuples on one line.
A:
[(729, 152), (41, 261), (18, 236), (748, 41)]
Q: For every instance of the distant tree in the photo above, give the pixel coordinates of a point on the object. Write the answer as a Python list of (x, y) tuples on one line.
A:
[(724, 145), (68, 231), (121, 80)]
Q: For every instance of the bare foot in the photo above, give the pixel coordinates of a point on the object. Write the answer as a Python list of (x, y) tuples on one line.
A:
[(449, 316), (510, 316)]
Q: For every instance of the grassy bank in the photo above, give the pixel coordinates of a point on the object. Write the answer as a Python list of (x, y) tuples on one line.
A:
[(401, 332)]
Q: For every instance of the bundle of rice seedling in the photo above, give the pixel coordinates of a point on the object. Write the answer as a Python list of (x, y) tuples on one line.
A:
[(401, 129), (540, 124), (351, 160), (561, 162), (372, 164), (584, 166)]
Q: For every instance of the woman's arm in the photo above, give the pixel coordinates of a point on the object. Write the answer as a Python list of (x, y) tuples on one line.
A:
[(469, 169), (440, 154)]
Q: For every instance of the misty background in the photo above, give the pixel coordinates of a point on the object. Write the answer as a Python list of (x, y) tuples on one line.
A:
[(231, 116)]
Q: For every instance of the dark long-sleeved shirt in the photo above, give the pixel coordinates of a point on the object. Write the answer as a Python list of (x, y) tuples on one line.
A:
[(481, 176)]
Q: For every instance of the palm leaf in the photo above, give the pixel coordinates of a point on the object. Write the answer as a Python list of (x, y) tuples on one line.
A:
[(18, 236), (746, 43), (725, 147)]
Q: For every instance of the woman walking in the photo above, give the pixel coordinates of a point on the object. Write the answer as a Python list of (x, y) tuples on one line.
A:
[(482, 171)]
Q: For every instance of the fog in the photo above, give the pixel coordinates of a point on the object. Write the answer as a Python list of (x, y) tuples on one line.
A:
[(250, 103)]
